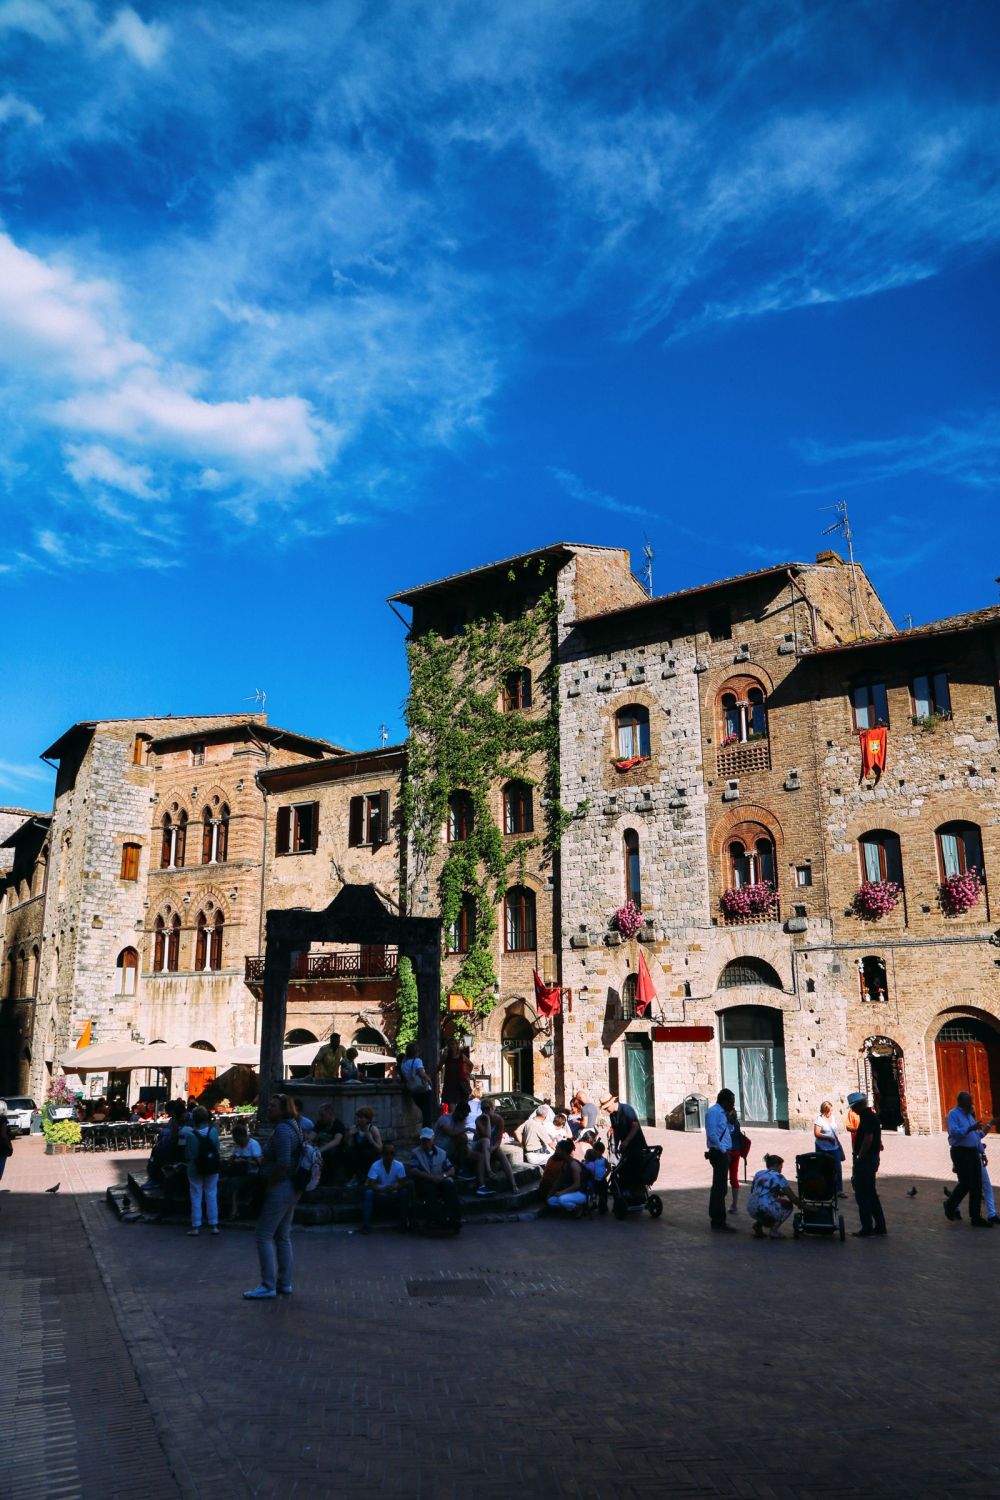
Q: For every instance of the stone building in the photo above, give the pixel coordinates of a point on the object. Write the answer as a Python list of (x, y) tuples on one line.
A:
[(24, 836), (144, 893), (329, 823)]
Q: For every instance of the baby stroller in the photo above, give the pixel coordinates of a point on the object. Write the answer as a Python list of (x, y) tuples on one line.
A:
[(816, 1186), (631, 1178)]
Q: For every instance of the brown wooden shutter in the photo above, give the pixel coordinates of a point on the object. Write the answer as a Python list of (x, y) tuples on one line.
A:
[(281, 843), (383, 817), (206, 839), (222, 843), (526, 688), (165, 846), (181, 845), (356, 822), (315, 826)]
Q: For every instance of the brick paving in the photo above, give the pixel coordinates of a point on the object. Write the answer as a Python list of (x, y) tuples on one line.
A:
[(594, 1358)]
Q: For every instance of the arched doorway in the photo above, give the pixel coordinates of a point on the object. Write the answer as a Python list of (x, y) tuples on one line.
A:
[(198, 1079), (516, 1055), (886, 1081), (753, 1063), (298, 1038), (968, 1057)]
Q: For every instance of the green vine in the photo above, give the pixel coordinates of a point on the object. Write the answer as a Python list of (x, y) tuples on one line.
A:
[(461, 740), (408, 1004)]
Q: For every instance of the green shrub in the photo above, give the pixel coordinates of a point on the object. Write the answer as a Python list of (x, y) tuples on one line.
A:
[(62, 1132)]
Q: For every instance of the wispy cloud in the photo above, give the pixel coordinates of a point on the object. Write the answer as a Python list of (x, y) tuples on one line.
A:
[(577, 490), (965, 450), (17, 776)]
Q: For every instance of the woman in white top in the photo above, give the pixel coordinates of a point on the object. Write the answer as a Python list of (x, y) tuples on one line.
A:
[(827, 1139)]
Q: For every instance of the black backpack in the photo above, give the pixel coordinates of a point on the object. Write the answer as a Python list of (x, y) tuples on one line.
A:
[(207, 1161)]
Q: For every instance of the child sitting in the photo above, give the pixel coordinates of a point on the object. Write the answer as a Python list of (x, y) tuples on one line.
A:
[(594, 1175)]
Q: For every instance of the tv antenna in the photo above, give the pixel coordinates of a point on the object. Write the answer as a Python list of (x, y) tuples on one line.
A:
[(647, 552), (383, 734), (259, 698), (843, 525)]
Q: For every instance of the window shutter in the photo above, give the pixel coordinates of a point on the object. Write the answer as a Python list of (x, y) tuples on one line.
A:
[(526, 688), (314, 845), (181, 844), (165, 846), (206, 840), (281, 842), (383, 817), (356, 822), (222, 843)]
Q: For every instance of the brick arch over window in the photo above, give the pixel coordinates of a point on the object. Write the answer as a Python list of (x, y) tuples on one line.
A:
[(741, 709), (751, 813)]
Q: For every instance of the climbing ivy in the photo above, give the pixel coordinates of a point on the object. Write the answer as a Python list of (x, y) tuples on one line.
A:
[(460, 740), (408, 1004)]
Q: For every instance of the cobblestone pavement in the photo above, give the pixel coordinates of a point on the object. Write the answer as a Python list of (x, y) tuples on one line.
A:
[(550, 1359)]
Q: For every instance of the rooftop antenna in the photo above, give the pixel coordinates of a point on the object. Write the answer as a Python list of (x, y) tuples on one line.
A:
[(383, 734), (843, 525), (259, 698), (647, 552)]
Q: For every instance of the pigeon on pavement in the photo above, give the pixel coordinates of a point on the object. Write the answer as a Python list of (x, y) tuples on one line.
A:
[(54, 1189)]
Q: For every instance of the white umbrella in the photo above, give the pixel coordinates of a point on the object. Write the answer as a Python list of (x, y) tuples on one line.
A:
[(126, 1057)]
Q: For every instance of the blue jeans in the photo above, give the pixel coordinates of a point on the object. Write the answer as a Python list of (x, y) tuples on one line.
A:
[(274, 1232), (393, 1203)]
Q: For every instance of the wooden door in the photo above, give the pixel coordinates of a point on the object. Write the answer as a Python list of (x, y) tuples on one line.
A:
[(198, 1081), (964, 1065)]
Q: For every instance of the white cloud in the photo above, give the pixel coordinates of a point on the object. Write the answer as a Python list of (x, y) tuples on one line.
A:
[(577, 490), (90, 462), (965, 450), (12, 107), (145, 41), (12, 774), (61, 324)]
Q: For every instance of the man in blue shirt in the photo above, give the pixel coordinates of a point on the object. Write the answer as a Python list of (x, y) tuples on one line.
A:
[(719, 1138), (965, 1134)]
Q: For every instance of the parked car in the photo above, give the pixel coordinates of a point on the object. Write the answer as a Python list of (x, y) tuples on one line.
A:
[(19, 1112)]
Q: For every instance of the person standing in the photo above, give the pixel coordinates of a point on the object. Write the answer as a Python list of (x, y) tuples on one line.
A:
[(827, 1141), (6, 1144), (738, 1151), (418, 1084), (965, 1137), (328, 1060), (867, 1151), (630, 1143), (719, 1139), (452, 1070), (274, 1226), (202, 1157)]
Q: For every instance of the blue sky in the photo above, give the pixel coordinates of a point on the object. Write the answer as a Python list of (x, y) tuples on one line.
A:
[(302, 304)]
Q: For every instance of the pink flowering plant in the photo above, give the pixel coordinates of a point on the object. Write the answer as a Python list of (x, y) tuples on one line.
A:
[(876, 898), (730, 739), (959, 893), (758, 900), (628, 919)]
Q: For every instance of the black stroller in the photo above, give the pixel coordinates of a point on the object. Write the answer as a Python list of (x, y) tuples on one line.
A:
[(816, 1186), (630, 1180)]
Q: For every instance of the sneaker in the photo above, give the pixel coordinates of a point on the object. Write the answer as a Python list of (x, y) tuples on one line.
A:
[(193, 1233), (284, 1291), (213, 1228), (259, 1294), (485, 1192)]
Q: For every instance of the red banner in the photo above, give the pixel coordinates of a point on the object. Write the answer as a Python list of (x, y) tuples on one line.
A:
[(874, 743), (548, 998), (683, 1033)]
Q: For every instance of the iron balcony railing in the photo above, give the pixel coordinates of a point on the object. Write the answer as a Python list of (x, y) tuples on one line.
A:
[(359, 963)]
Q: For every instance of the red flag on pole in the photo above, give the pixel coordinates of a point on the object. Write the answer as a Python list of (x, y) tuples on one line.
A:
[(646, 993), (548, 998), (874, 744)]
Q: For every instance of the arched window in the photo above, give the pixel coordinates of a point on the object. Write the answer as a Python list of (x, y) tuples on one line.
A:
[(127, 966), (174, 945), (740, 971), (960, 848), (460, 933), (517, 690), (630, 990), (19, 975), (215, 835), (33, 971), (872, 978), (633, 878), (518, 811), (742, 713), (460, 817), (880, 856), (202, 943), (750, 854), (174, 842), (519, 920), (632, 732), (215, 946)]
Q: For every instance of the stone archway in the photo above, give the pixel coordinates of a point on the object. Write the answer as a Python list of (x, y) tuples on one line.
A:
[(885, 1080)]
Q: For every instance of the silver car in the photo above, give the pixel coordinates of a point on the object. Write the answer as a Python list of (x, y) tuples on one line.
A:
[(19, 1112)]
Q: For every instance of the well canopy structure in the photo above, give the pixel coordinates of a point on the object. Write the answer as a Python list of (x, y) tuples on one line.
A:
[(356, 915)]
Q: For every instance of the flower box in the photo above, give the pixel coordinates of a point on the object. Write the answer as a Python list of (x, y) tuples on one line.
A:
[(876, 898), (959, 893), (748, 901)]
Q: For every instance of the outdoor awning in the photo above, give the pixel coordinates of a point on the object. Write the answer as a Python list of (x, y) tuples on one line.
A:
[(127, 1057)]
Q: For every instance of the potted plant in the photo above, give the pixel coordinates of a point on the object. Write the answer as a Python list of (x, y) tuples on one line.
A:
[(959, 893), (61, 1134), (876, 898), (757, 900)]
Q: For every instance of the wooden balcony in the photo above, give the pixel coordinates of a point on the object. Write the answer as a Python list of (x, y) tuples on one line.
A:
[(310, 968)]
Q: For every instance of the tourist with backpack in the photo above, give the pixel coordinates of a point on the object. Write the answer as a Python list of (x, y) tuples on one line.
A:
[(285, 1163), (201, 1153)]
